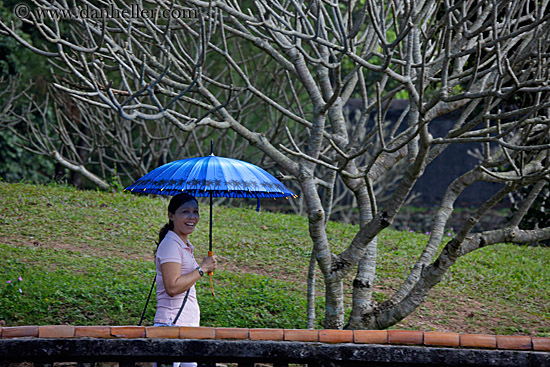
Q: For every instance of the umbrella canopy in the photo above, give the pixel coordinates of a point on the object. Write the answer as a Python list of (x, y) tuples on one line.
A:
[(211, 176)]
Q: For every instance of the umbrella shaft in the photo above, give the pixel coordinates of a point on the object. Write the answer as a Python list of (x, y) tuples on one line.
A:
[(210, 247)]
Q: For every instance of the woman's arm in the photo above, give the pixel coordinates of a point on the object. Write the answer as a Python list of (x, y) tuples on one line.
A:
[(175, 283)]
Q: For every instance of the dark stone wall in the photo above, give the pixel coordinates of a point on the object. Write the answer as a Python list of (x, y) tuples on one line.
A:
[(421, 220), (246, 353), (449, 165)]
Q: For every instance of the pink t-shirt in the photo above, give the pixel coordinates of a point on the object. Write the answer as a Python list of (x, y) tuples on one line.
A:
[(173, 249)]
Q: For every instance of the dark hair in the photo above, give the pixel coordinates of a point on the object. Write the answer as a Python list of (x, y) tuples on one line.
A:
[(175, 203)]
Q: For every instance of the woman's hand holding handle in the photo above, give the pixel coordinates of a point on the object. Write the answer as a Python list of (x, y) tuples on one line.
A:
[(209, 263)]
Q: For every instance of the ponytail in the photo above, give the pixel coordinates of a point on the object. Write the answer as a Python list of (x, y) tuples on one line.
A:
[(164, 230)]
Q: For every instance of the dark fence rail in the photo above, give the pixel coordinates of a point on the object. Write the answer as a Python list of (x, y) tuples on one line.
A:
[(127, 352)]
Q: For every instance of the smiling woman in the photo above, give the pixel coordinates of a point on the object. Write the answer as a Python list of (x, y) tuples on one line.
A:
[(177, 269)]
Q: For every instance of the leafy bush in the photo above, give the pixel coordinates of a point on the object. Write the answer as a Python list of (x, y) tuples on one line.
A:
[(19, 164)]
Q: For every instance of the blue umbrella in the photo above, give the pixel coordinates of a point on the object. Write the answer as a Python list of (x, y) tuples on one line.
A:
[(211, 176)]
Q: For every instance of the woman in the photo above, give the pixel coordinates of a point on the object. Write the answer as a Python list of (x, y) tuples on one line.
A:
[(177, 270)]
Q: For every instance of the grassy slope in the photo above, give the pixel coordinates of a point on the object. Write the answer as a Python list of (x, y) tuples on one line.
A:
[(86, 258)]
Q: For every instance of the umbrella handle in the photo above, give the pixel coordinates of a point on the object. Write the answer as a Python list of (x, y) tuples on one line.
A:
[(210, 253), (210, 273)]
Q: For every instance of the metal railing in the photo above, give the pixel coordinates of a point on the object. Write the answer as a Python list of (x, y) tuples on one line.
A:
[(127, 352)]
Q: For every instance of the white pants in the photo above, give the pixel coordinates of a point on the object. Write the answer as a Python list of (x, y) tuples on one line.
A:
[(177, 364)]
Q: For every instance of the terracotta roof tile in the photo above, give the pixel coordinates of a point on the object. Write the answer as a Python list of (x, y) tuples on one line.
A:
[(336, 336), (514, 342), (56, 331), (128, 331), (442, 339), (232, 333), (541, 344), (165, 332), (371, 336), (405, 337), (302, 335), (267, 334), (478, 341), (92, 331), (20, 332), (197, 333)]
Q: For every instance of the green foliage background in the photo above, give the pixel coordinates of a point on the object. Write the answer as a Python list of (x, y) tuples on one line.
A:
[(18, 61)]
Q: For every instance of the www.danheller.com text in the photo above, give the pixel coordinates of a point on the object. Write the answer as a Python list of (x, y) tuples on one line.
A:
[(132, 11)]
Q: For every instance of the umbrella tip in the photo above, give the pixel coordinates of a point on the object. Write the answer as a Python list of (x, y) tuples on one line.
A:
[(211, 146)]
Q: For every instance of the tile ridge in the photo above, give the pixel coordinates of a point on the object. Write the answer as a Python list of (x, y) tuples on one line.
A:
[(359, 337)]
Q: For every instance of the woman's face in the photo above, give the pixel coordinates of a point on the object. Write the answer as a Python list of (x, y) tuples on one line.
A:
[(185, 219)]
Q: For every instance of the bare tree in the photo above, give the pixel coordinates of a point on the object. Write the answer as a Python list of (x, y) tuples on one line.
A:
[(291, 66), (87, 140), (95, 142)]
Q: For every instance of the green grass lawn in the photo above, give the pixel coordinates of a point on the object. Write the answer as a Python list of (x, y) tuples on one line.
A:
[(86, 258)]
